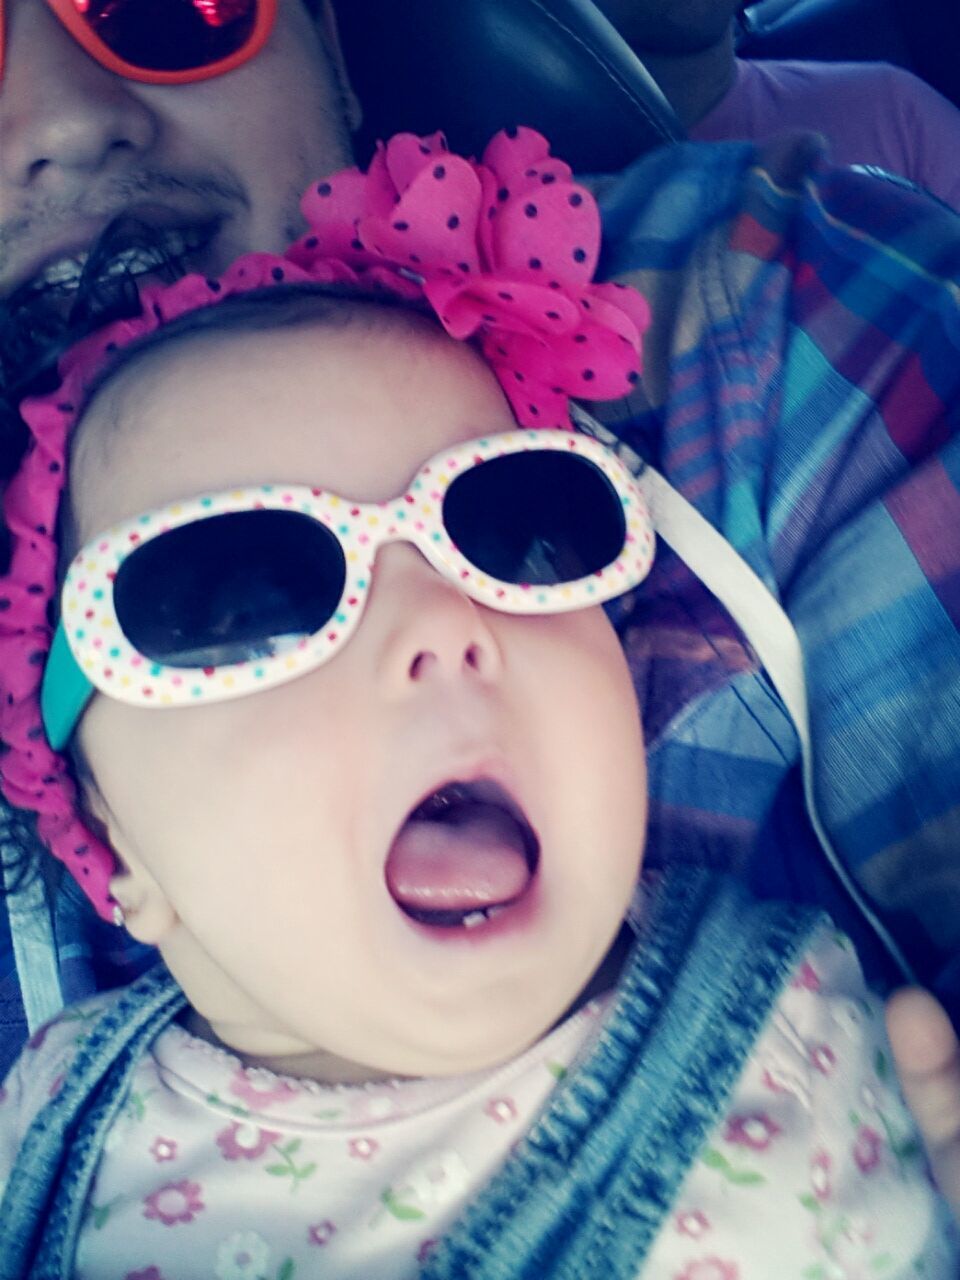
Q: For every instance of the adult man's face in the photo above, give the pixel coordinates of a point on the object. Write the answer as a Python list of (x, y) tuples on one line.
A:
[(670, 27), (223, 160)]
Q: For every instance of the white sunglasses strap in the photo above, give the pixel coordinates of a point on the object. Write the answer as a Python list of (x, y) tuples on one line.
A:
[(763, 621)]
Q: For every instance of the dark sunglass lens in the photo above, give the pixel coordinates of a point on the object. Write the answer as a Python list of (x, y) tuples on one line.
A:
[(229, 589), (171, 35), (541, 517)]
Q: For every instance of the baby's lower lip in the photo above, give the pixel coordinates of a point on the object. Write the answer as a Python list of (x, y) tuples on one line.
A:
[(501, 923)]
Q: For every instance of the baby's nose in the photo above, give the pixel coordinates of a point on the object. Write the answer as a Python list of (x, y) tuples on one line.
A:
[(430, 631)]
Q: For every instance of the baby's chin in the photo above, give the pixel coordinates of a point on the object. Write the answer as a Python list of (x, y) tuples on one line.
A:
[(488, 1044)]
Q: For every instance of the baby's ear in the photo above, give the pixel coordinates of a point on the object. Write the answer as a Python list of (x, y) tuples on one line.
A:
[(147, 913)]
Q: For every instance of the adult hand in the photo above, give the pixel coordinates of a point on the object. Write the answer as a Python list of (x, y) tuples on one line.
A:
[(927, 1054)]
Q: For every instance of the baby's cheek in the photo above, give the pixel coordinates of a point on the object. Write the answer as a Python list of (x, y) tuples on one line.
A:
[(621, 745), (594, 712), (153, 772)]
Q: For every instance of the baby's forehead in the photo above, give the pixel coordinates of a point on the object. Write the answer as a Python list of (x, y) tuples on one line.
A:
[(354, 408), (224, 340)]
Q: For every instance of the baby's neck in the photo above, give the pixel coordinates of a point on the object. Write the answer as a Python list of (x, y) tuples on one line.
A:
[(317, 1065), (329, 1069)]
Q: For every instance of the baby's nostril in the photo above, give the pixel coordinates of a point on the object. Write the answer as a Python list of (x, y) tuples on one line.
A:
[(422, 661), (419, 664)]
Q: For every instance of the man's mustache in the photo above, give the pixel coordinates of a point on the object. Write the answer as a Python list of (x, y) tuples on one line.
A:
[(39, 322), (44, 218)]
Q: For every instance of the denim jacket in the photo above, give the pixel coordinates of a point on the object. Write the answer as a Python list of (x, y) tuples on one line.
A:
[(597, 1172)]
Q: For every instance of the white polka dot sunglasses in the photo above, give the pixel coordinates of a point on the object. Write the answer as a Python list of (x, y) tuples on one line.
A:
[(227, 594)]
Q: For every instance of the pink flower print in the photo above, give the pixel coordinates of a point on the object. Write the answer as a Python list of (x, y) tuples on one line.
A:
[(693, 1223), (712, 1268), (436, 1180), (426, 1248), (867, 1149), (243, 1256), (363, 1148), (41, 1033), (151, 1273), (259, 1088), (755, 1131), (823, 1059), (501, 1110), (806, 978), (820, 1168), (55, 1085), (860, 1230), (244, 1141), (775, 1083), (321, 1233), (174, 1202), (163, 1149)]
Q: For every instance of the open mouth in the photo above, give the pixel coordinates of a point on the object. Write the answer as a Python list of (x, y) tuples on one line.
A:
[(156, 251), (464, 855)]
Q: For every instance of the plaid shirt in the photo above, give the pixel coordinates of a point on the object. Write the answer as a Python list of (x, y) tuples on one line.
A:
[(802, 390)]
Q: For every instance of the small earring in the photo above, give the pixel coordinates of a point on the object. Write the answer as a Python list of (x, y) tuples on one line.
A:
[(118, 917)]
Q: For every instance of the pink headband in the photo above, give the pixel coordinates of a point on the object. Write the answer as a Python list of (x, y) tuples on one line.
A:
[(502, 250)]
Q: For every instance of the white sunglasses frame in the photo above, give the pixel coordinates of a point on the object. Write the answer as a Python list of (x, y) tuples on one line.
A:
[(90, 634)]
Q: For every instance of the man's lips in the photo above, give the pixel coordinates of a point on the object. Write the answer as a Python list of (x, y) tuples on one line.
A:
[(180, 246), (147, 240)]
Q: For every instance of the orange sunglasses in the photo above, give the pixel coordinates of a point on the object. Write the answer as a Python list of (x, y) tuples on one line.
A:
[(164, 41)]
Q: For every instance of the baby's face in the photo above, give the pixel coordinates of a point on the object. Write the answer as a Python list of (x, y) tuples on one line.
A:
[(269, 840)]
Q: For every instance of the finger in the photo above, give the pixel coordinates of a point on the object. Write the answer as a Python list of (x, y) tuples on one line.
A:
[(927, 1055), (921, 1032)]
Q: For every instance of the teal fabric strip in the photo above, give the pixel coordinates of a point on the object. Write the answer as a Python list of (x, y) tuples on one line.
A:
[(64, 693)]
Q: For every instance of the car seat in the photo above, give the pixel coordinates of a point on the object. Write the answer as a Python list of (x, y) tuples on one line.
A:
[(475, 67)]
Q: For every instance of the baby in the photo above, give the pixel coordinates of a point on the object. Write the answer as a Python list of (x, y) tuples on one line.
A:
[(352, 744)]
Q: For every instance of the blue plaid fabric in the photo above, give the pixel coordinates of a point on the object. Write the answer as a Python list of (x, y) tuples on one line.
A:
[(802, 390)]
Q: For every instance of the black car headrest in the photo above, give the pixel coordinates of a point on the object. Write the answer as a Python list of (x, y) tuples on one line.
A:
[(471, 67)]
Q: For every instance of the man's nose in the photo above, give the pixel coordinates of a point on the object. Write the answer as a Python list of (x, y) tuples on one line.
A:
[(429, 631), (62, 115)]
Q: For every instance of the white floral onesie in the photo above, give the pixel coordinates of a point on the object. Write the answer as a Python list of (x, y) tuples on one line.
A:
[(217, 1172)]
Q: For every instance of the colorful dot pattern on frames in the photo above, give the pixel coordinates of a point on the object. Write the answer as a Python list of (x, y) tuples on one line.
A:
[(112, 664)]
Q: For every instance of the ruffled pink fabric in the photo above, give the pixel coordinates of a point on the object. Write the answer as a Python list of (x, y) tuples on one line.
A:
[(503, 251)]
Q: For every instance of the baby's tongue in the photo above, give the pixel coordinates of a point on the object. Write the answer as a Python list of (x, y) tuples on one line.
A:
[(473, 858)]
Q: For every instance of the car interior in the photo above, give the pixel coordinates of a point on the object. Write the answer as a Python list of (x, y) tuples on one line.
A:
[(922, 36), (561, 67), (473, 67), (557, 66)]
